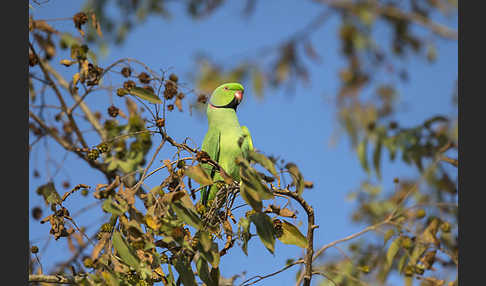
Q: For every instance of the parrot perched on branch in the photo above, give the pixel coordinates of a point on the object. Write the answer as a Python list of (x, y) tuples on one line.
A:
[(225, 139)]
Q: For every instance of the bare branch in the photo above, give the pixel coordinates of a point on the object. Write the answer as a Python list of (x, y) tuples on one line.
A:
[(59, 96), (260, 278), (453, 162), (307, 275), (87, 112), (56, 279), (137, 186), (69, 147)]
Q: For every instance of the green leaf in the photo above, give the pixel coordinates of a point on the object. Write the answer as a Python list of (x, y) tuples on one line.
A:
[(264, 161), (264, 227), (67, 40), (110, 279), (125, 251), (401, 262), (258, 82), (392, 251), (215, 274), (205, 241), (211, 255), (48, 191), (198, 174), (187, 215), (203, 272), (112, 206), (185, 272), (253, 181), (297, 178), (145, 94), (361, 150), (251, 197), (388, 234), (292, 235), (244, 233), (408, 280), (377, 156), (170, 277)]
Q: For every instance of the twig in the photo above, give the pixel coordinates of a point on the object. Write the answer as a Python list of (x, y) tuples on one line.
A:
[(325, 276), (137, 186), (453, 162), (68, 146), (349, 237), (77, 187), (259, 278), (59, 96), (307, 275), (56, 279), (87, 112)]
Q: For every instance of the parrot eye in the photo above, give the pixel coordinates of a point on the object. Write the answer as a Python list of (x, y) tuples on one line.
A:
[(225, 88)]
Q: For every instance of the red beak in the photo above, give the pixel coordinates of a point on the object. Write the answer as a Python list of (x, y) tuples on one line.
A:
[(239, 95)]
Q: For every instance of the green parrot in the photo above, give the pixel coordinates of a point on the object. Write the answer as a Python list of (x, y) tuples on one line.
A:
[(222, 141)]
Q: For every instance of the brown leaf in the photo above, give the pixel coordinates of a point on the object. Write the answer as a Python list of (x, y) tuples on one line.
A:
[(178, 103), (127, 194), (285, 212), (71, 246), (105, 236), (43, 26), (96, 24)]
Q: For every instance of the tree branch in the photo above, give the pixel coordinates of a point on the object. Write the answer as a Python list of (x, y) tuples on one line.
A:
[(56, 279), (307, 275), (396, 13), (453, 162), (260, 278), (59, 96), (66, 145), (87, 112)]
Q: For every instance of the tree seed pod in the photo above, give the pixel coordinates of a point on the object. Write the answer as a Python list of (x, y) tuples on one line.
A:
[(80, 19), (160, 122), (106, 227), (103, 147), (202, 99), (173, 77), (278, 228), (121, 92), (34, 249), (126, 71), (37, 213), (113, 111), (129, 84), (143, 77), (93, 154), (32, 59)]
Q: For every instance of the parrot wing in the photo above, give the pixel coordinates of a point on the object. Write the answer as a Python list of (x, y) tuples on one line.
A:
[(211, 145), (247, 134)]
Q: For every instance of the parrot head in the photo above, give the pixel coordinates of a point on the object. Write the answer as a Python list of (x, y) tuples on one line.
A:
[(227, 95)]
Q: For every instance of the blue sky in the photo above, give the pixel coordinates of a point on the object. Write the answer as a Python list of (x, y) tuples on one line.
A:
[(296, 126)]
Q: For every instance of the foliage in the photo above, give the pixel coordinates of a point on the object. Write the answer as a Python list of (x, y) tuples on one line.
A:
[(164, 234)]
